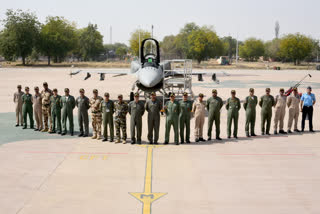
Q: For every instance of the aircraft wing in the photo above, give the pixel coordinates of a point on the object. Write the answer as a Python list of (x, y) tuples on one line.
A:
[(101, 71)]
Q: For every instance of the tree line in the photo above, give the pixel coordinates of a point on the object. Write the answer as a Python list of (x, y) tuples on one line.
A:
[(24, 36)]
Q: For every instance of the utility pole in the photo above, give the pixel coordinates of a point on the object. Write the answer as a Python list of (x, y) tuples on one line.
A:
[(237, 51), (111, 35)]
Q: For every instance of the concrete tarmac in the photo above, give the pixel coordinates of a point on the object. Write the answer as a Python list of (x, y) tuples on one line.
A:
[(53, 175)]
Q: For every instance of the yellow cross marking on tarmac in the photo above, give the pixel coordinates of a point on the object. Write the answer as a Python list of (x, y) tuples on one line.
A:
[(147, 197)]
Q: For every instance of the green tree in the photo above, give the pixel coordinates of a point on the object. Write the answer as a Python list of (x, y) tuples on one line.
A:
[(20, 34), (169, 47), (252, 49), (134, 40), (204, 43), (57, 38), (181, 40), (91, 42), (272, 49), (229, 46), (295, 47)]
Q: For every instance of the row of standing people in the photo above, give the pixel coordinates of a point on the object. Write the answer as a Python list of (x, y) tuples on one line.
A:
[(178, 114)]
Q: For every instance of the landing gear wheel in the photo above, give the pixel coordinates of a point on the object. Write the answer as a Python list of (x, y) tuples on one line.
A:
[(131, 96)]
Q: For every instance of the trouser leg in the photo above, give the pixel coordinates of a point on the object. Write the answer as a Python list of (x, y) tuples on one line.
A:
[(210, 123), (111, 127), (217, 123), (139, 129), (310, 114), (124, 129), (263, 121), (201, 123), (167, 132), (133, 129), (188, 130), (25, 123), (176, 131), (229, 121), (94, 125), (85, 118), (80, 122), (283, 113), (235, 128), (105, 128), (156, 128), (253, 123), (59, 129), (304, 115), (64, 122), (53, 122), (150, 129), (118, 134), (291, 117), (71, 126), (182, 125), (296, 117), (276, 120), (197, 127), (269, 116), (30, 112)]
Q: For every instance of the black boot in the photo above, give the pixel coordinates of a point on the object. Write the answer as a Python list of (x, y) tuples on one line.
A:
[(80, 135), (253, 135), (218, 138), (201, 139), (197, 140)]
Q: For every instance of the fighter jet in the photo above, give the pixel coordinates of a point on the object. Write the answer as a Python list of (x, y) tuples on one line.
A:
[(150, 72)]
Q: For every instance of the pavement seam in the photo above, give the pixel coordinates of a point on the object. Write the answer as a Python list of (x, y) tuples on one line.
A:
[(43, 182)]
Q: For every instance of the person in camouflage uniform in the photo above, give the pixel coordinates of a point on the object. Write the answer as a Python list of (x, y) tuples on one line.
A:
[(96, 116), (172, 119), (68, 103), (120, 119), (214, 105), (107, 109), (233, 106), (83, 104), (18, 102), (55, 106), (27, 102), (266, 103), (185, 108), (46, 93), (136, 110), (153, 107), (249, 106)]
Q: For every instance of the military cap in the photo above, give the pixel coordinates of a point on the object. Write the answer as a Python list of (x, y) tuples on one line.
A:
[(95, 91), (172, 95), (214, 90), (153, 93), (26, 88), (81, 90), (19, 86), (268, 89), (281, 89), (45, 83), (251, 90), (233, 91), (36, 88), (295, 89), (120, 95), (185, 94), (136, 94), (66, 90), (55, 90), (309, 87), (106, 94), (200, 95)]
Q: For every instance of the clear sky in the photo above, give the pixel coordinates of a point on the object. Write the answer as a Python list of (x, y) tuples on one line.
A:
[(237, 18)]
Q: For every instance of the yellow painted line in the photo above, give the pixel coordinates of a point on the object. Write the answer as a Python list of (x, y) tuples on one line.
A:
[(147, 196)]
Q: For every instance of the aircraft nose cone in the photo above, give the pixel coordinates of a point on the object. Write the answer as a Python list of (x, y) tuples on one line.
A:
[(150, 76)]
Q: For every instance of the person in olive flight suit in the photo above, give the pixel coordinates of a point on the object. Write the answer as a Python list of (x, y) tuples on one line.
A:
[(214, 105), (120, 119), (266, 103), (153, 107), (68, 103), (172, 116), (27, 109), (18, 103), (83, 104), (107, 109), (136, 110), (249, 106), (233, 106), (185, 106), (55, 106)]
